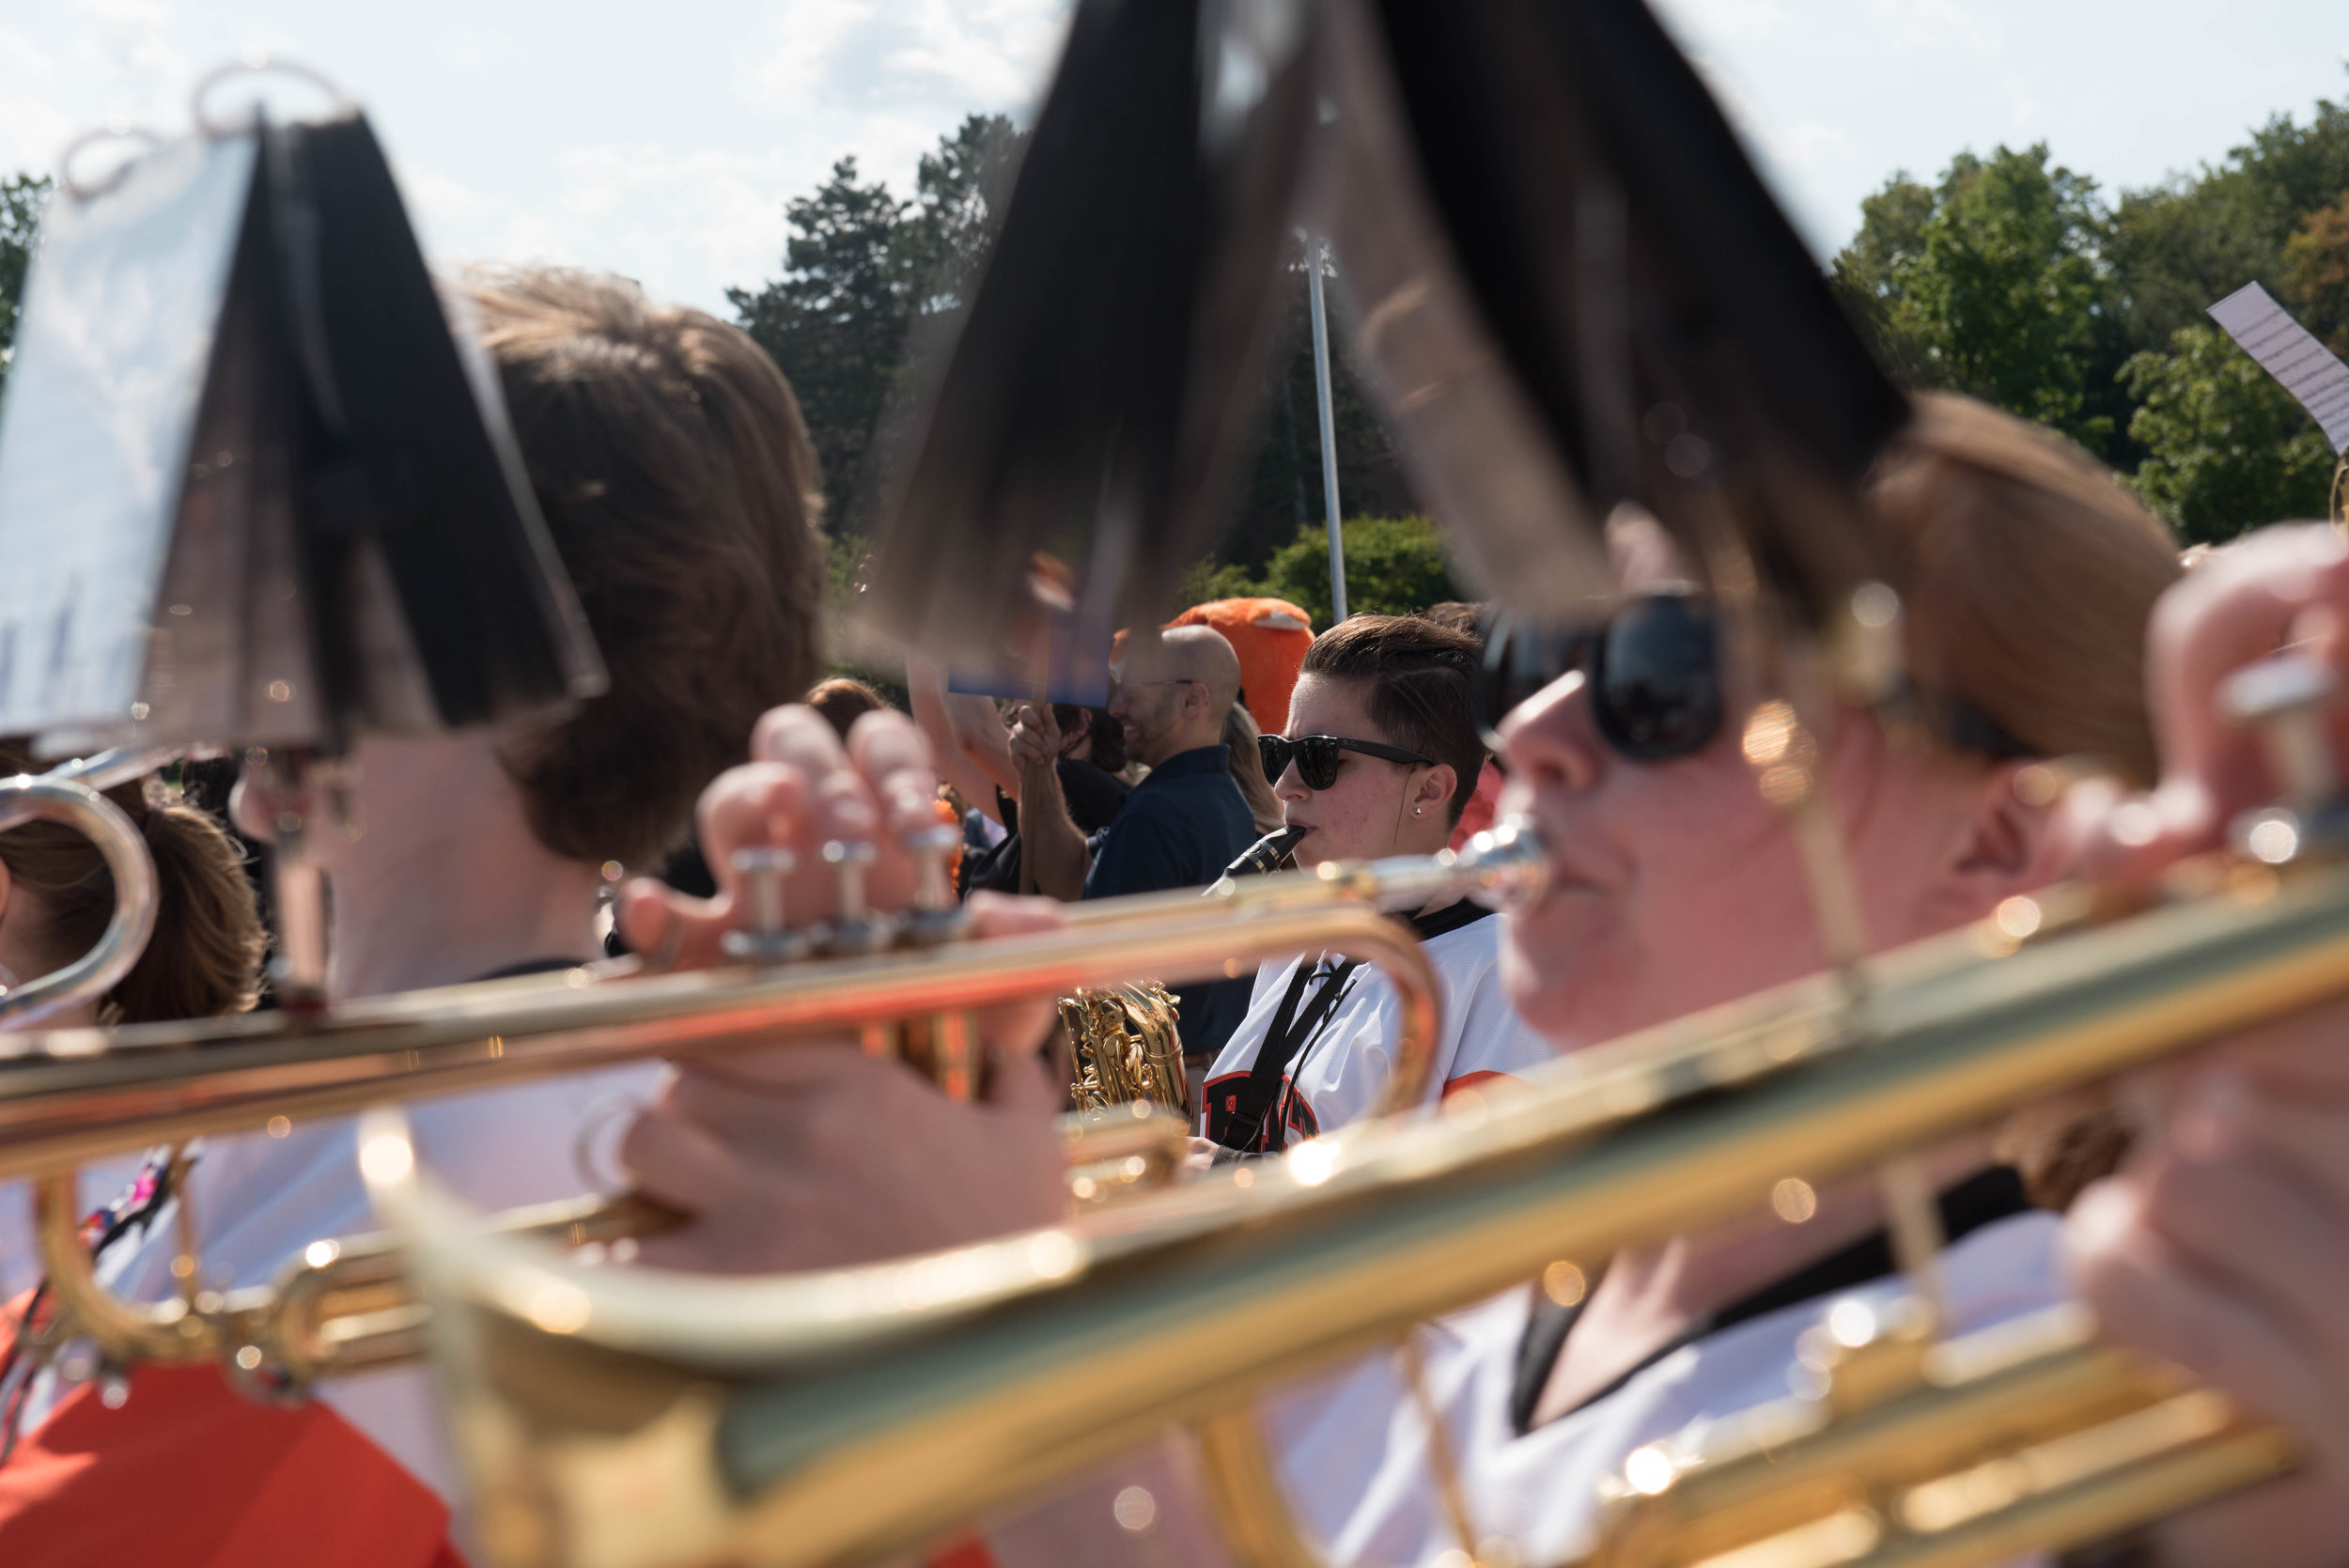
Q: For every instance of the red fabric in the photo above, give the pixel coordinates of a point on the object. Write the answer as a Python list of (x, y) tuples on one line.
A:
[(1477, 814), (967, 1552), (191, 1474), (1478, 1081)]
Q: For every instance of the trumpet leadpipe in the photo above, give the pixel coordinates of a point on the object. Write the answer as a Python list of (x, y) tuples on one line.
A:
[(70, 1095)]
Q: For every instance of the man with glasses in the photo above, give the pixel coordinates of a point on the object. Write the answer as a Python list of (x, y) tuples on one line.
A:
[(1180, 827)]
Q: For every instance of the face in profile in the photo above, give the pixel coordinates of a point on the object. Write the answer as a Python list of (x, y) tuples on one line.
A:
[(1677, 886), (1143, 701), (1368, 810)]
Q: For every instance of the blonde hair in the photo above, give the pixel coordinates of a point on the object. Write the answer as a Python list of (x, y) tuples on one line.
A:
[(1247, 769), (2030, 576), (205, 956), (2029, 573)]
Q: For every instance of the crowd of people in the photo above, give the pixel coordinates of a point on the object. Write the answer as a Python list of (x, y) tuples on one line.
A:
[(2048, 616)]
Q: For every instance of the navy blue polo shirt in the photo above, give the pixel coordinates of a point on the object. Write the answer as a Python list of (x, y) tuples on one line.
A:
[(1179, 829)]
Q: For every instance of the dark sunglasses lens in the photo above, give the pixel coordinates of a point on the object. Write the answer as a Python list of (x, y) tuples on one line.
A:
[(1519, 661), (1655, 682), (1315, 756)]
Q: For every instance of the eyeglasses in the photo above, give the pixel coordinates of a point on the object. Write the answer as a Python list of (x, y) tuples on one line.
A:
[(1116, 685), (1653, 675), (1317, 757)]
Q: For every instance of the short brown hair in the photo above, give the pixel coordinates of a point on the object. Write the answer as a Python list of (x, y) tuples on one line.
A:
[(681, 491), (204, 956), (843, 700), (2029, 575), (1420, 676)]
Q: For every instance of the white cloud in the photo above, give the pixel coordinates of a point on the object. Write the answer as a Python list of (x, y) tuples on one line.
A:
[(1720, 21)]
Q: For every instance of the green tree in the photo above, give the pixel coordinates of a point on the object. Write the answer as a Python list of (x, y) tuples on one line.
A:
[(23, 199), (1992, 283), (959, 191), (2316, 274), (863, 268), (2227, 448), (835, 321), (2179, 246), (1277, 487), (1871, 272), (1394, 566)]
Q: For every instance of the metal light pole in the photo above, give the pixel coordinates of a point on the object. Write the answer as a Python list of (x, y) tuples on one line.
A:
[(1315, 250)]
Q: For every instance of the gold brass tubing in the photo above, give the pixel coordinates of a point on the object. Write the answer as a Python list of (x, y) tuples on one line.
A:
[(70, 1095), (1041, 1352), (1243, 1487), (347, 1304), (1953, 1459), (127, 1331)]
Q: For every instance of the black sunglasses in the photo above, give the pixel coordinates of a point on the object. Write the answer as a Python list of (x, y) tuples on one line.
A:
[(1653, 675), (1317, 757)]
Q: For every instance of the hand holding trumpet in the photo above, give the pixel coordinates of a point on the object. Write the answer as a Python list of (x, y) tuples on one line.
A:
[(2223, 1243), (802, 1156)]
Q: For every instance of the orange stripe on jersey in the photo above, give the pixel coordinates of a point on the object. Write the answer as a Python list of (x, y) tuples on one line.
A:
[(1472, 1080), (969, 1551), (191, 1474)]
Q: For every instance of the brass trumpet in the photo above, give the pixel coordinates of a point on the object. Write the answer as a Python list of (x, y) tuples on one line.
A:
[(71, 1094), (840, 1417)]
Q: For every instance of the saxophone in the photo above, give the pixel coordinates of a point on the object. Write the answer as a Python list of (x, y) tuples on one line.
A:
[(1124, 1037), (1126, 1047)]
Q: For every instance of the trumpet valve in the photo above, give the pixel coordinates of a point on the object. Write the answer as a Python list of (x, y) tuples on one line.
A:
[(2285, 698), (936, 917), (854, 928), (766, 940)]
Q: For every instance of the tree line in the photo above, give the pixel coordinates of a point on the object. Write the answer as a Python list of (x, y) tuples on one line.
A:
[(2013, 279), (2010, 277)]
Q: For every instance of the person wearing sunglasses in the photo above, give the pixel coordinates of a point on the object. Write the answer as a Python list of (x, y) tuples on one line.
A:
[(1380, 755), (2027, 578)]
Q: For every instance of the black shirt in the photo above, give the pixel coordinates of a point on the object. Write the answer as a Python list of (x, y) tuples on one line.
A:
[(1095, 798), (1179, 829)]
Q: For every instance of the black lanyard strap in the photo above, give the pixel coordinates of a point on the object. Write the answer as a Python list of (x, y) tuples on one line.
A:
[(1291, 1029)]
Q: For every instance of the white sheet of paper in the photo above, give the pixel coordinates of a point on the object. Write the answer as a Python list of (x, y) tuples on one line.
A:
[(120, 311), (2291, 353)]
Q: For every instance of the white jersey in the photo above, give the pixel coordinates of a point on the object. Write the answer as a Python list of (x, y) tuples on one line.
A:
[(1353, 1449), (1343, 1063), (258, 1200)]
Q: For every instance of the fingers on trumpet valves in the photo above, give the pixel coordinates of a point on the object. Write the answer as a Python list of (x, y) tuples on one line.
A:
[(764, 899), (764, 936), (2287, 700)]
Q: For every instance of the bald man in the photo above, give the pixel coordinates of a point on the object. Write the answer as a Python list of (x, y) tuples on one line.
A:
[(1180, 827)]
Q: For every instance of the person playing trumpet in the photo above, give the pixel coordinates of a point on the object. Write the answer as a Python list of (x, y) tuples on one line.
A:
[(2030, 578), (670, 460)]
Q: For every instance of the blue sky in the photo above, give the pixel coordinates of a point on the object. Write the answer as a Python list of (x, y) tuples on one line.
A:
[(660, 140)]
